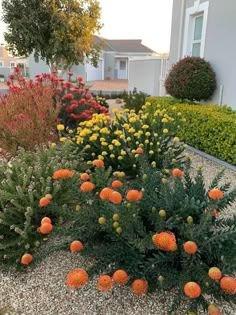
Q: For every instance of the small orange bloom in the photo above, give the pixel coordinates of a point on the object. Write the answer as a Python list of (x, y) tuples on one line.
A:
[(139, 150), (46, 220), (76, 246), (87, 186), (46, 228), (98, 163), (116, 184), (84, 176), (215, 194), (192, 290), (139, 286), (190, 247), (213, 309), (43, 202), (115, 197), (26, 259), (105, 193), (177, 173), (49, 196), (228, 285), (215, 273), (64, 173), (134, 195), (120, 277), (165, 241), (105, 283), (76, 278)]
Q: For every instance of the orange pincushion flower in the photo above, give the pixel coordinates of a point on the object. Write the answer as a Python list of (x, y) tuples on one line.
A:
[(76, 246), (87, 186), (192, 290), (228, 285), (98, 163), (26, 259), (84, 176), (215, 273), (105, 283), (64, 173), (134, 195), (177, 173), (115, 197), (43, 202), (139, 150), (46, 220), (116, 184), (46, 228), (49, 196), (215, 194), (139, 286), (76, 278), (165, 241), (190, 247), (105, 193), (213, 309), (120, 277)]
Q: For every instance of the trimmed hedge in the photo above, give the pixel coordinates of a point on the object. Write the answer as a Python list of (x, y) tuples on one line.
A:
[(210, 128)]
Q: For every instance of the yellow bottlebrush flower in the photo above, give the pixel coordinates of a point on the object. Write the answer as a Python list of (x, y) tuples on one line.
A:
[(93, 154), (118, 132), (104, 153), (112, 156), (120, 157), (158, 150), (122, 137), (143, 107), (176, 139), (132, 111), (104, 144), (144, 116), (89, 162), (53, 144), (115, 110), (145, 126), (136, 156), (102, 139), (63, 139), (151, 152), (126, 110), (126, 126), (133, 151), (184, 119), (137, 142), (136, 134), (165, 131), (88, 146), (100, 157), (123, 152), (164, 120), (111, 147), (179, 114), (70, 131), (79, 140), (151, 144), (174, 108), (153, 164), (117, 143), (85, 132), (146, 141), (96, 128), (128, 139), (141, 145), (148, 104), (93, 138), (147, 134), (132, 120), (105, 131), (60, 127), (140, 132), (89, 124), (131, 130)]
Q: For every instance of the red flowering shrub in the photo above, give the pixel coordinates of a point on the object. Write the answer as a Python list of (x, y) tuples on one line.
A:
[(77, 104), (191, 78), (28, 115)]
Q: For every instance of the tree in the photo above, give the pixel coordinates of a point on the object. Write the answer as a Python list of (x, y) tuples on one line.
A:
[(61, 32)]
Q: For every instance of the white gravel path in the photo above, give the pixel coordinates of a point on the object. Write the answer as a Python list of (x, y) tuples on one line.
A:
[(42, 290)]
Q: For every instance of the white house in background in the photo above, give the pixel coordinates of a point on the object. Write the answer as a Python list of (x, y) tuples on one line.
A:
[(207, 28), (112, 64)]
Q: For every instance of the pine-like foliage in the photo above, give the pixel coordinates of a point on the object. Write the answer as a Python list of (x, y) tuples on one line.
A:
[(120, 235), (24, 181)]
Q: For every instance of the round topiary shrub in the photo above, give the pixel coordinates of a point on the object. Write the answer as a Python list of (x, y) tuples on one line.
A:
[(191, 78)]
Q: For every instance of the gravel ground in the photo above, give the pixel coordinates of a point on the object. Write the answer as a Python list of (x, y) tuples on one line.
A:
[(42, 290)]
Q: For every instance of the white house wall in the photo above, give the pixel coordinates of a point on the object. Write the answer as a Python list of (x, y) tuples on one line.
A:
[(220, 43), (144, 75)]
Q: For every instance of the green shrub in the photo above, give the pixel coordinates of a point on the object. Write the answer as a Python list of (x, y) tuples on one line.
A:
[(120, 234), (210, 128), (134, 100), (191, 78), (24, 181)]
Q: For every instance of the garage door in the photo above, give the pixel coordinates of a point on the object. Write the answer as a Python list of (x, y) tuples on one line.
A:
[(95, 73)]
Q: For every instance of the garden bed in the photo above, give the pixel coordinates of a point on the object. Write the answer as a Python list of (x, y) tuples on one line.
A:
[(42, 290)]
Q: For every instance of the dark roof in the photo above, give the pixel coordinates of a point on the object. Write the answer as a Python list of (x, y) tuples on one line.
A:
[(123, 45)]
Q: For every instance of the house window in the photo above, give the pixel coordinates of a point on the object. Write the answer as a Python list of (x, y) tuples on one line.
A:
[(1, 64), (122, 65), (195, 29), (12, 64)]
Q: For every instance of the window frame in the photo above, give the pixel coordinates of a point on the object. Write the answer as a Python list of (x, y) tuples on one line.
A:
[(2, 64)]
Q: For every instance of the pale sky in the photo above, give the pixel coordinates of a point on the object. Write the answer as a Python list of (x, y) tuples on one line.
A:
[(149, 20)]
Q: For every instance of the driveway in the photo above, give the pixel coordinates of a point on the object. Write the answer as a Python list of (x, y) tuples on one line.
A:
[(109, 85)]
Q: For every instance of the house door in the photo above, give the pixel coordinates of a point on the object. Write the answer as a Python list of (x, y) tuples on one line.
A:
[(122, 68)]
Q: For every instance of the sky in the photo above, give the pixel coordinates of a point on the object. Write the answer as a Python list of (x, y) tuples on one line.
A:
[(149, 20)]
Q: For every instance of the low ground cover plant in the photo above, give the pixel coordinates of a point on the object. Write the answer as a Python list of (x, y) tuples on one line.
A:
[(134, 99), (210, 128)]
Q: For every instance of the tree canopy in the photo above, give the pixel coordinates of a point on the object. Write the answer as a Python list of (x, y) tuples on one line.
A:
[(59, 31)]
